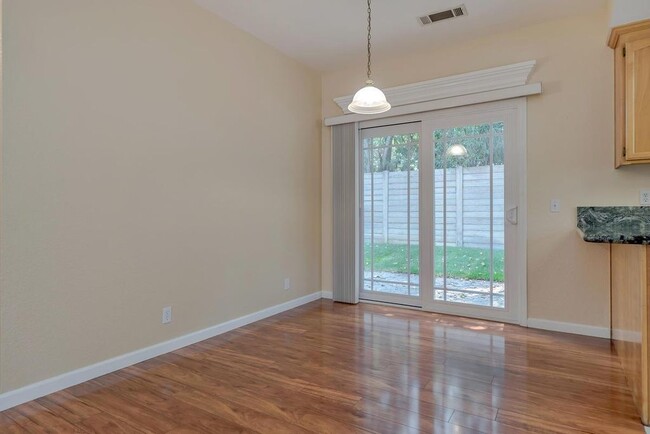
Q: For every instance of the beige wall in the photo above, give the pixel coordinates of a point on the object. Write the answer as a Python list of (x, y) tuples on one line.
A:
[(153, 155), (570, 151)]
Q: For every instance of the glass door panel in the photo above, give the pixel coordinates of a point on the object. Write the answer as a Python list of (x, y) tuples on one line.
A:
[(469, 201), (390, 213)]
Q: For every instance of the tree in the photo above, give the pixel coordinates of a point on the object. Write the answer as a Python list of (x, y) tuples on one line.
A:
[(396, 153), (476, 139), (399, 153)]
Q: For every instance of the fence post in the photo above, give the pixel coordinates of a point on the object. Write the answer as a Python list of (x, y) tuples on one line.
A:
[(459, 206), (385, 206)]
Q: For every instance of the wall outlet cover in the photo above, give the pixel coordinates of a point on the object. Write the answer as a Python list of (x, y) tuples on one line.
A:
[(287, 283), (644, 197), (167, 315)]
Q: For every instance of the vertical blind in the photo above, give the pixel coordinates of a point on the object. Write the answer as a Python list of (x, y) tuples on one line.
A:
[(344, 204)]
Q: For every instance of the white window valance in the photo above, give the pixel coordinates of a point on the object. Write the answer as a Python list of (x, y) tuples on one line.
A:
[(494, 84)]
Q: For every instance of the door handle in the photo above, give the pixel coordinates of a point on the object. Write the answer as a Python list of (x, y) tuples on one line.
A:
[(513, 215)]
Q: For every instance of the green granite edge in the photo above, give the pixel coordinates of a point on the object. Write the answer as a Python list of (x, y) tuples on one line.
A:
[(615, 224)]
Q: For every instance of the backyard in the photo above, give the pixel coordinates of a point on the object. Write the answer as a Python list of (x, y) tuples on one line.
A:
[(462, 262)]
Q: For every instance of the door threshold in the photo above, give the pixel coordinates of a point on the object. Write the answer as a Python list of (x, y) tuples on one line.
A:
[(391, 304), (458, 315)]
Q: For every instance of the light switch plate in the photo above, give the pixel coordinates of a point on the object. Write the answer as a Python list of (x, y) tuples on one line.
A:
[(555, 205)]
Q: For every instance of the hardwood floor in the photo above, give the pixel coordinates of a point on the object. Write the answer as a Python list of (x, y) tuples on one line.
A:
[(334, 368)]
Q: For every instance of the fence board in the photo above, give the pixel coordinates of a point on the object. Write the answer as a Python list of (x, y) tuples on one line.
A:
[(467, 199)]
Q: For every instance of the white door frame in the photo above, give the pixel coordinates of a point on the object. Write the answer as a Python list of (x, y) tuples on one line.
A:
[(513, 113)]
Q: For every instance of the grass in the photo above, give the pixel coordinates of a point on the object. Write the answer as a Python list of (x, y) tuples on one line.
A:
[(462, 262)]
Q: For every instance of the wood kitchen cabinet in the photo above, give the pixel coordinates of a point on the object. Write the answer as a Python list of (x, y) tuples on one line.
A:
[(630, 265), (631, 44), (627, 230)]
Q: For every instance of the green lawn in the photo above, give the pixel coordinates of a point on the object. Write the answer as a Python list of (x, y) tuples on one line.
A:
[(462, 262)]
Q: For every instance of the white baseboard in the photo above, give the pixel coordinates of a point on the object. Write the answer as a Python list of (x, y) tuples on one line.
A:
[(627, 335), (69, 379), (566, 327), (327, 294)]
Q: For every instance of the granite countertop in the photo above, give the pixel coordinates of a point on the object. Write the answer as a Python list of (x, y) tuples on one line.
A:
[(615, 224)]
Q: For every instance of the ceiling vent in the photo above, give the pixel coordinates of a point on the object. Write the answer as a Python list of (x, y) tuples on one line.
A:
[(459, 11)]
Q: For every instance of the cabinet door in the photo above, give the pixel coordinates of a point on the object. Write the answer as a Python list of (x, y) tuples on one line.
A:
[(637, 95)]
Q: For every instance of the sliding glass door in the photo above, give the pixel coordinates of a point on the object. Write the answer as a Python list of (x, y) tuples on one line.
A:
[(441, 211)]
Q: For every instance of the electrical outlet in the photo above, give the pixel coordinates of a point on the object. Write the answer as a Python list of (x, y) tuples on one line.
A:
[(287, 283), (644, 197), (555, 205), (167, 315)]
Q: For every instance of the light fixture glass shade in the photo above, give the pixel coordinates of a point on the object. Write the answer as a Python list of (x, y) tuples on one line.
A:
[(457, 151), (369, 100)]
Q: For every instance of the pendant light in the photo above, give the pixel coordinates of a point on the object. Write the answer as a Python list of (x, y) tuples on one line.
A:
[(369, 100), (457, 150)]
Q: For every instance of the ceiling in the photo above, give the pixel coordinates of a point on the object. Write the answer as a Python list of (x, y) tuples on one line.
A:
[(330, 34)]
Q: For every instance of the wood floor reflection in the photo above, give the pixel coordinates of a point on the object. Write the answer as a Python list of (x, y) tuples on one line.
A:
[(334, 368)]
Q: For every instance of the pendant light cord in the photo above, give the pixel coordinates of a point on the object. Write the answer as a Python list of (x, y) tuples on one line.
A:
[(369, 36), (369, 99)]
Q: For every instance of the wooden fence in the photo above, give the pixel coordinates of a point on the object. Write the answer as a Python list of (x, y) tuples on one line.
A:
[(468, 207)]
